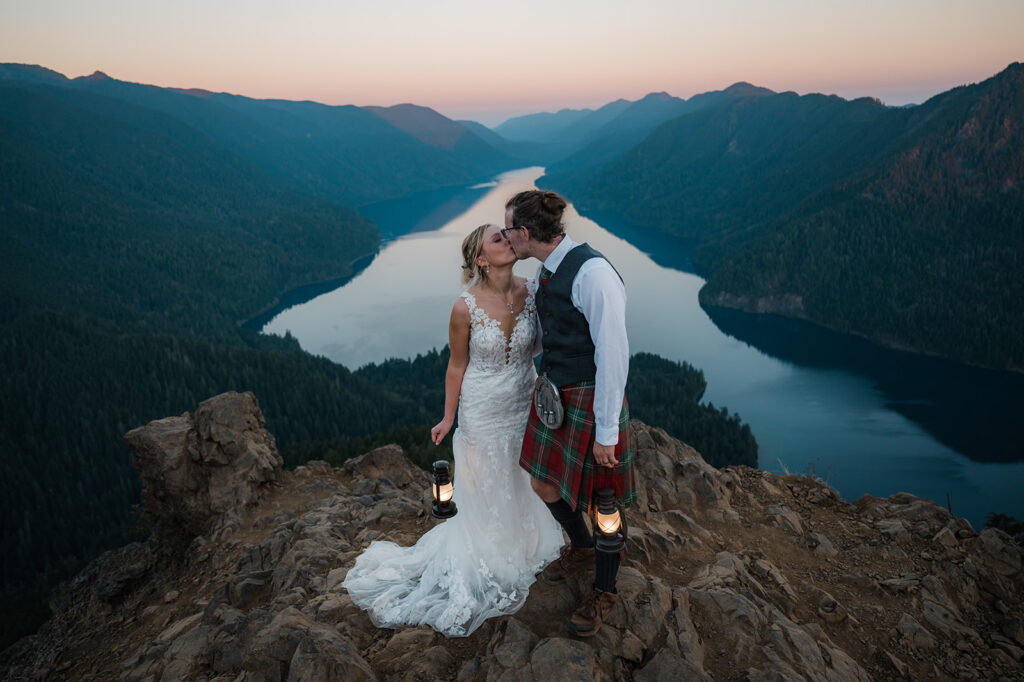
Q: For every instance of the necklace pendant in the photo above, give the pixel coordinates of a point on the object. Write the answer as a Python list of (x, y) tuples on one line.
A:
[(510, 308)]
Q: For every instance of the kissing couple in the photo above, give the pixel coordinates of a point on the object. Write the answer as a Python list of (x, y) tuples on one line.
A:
[(521, 477)]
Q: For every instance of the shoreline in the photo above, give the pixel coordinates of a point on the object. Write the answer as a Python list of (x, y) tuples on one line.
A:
[(306, 292), (683, 262), (744, 305)]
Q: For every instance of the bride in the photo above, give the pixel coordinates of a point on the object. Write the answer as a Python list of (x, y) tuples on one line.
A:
[(481, 562)]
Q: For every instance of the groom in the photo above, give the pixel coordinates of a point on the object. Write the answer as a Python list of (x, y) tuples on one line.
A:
[(581, 302)]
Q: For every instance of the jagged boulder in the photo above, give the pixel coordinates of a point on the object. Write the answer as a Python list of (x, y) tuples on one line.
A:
[(200, 471)]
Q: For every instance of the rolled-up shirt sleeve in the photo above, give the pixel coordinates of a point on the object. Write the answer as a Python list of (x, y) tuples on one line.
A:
[(599, 294)]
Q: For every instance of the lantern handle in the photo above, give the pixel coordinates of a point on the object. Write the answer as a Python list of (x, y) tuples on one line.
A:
[(625, 526)]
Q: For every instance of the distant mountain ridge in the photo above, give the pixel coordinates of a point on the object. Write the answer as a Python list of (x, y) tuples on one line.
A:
[(904, 225), (575, 138), (540, 127), (425, 124), (333, 152), (635, 122)]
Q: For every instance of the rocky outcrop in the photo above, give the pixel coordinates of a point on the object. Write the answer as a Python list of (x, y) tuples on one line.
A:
[(729, 575), (200, 471)]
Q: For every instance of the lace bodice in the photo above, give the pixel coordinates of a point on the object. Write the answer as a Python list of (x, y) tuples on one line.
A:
[(498, 383), (489, 347)]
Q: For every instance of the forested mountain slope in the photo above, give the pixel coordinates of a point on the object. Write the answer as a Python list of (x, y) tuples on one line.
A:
[(926, 250), (98, 195), (902, 225), (345, 154)]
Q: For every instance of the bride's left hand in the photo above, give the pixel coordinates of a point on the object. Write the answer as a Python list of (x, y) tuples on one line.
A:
[(441, 430)]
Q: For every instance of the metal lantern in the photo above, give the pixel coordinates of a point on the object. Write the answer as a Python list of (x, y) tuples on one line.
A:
[(609, 523), (444, 507)]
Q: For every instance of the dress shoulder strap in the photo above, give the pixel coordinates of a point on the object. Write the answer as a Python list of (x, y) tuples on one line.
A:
[(476, 313), (531, 294)]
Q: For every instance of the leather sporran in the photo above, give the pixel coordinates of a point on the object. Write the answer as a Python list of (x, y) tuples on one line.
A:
[(548, 402)]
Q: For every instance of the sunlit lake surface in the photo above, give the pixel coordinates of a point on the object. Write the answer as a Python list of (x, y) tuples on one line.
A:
[(865, 419)]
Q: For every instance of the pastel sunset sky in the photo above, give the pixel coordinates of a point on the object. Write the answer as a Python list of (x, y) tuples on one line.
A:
[(491, 60)]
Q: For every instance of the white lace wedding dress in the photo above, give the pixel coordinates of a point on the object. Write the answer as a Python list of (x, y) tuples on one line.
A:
[(481, 562)]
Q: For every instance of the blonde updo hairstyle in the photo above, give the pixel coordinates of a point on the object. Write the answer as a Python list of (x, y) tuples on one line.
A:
[(472, 247)]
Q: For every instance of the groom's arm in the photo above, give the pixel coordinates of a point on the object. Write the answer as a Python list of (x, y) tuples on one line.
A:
[(599, 294)]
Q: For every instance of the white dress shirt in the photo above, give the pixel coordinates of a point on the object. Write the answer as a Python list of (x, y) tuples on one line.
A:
[(599, 294)]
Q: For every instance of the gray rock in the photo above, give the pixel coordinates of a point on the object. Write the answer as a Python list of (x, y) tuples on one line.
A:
[(1000, 552), (412, 640), (558, 658), (899, 666), (200, 471), (894, 529), (915, 633), (433, 664), (645, 616), (933, 590), (515, 632), (511, 654), (946, 538), (669, 666), (178, 627), (1012, 628), (819, 544), (783, 516), (276, 644), (118, 571), (1014, 652), (903, 585), (737, 620), (948, 622), (687, 640), (320, 660), (248, 588)]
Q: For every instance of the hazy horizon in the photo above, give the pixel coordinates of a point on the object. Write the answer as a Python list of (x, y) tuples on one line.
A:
[(488, 63), (493, 118)]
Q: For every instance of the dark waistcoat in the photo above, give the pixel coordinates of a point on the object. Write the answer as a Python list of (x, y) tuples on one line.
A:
[(568, 347)]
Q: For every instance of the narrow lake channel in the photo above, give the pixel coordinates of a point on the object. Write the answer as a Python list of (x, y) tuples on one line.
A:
[(863, 418)]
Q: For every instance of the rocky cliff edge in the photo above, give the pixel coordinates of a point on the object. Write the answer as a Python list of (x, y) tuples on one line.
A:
[(731, 574)]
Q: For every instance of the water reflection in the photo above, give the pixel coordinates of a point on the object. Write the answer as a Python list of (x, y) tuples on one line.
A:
[(423, 211), (978, 413)]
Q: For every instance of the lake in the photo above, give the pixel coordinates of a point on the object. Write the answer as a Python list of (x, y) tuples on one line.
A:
[(863, 418)]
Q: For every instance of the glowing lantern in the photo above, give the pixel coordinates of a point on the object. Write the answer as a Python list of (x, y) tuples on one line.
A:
[(609, 523), (444, 507)]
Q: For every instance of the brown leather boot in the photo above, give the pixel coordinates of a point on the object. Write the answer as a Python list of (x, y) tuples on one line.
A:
[(591, 612), (570, 562)]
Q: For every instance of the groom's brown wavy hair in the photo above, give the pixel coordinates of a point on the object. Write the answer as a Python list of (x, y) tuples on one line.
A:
[(540, 212)]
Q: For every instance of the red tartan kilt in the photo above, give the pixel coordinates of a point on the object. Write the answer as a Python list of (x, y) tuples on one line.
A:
[(564, 457)]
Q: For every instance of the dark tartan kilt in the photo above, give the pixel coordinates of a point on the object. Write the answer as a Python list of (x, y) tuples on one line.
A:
[(564, 457)]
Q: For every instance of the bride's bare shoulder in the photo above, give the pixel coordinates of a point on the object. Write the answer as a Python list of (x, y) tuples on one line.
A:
[(460, 309)]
